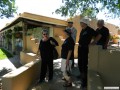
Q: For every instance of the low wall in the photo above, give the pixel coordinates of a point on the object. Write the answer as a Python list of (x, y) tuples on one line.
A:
[(94, 81), (27, 57), (109, 67), (106, 63), (94, 57), (22, 78)]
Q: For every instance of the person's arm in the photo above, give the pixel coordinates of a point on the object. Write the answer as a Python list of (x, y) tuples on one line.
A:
[(70, 48), (68, 57), (38, 52), (54, 42), (97, 38)]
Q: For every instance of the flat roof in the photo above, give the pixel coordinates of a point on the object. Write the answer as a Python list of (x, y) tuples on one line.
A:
[(36, 18)]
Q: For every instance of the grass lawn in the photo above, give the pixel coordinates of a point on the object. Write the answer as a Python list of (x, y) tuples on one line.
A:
[(4, 54)]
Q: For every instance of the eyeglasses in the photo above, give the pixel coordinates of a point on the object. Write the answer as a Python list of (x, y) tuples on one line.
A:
[(44, 34)]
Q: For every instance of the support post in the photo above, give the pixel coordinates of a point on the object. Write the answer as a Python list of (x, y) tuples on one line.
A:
[(13, 42), (24, 25)]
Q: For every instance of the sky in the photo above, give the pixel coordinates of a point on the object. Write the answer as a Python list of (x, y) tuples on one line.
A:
[(44, 7)]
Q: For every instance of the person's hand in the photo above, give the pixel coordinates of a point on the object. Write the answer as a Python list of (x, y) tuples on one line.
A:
[(67, 62), (79, 45), (93, 43), (51, 42)]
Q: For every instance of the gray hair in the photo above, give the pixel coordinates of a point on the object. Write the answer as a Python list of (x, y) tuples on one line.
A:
[(45, 31)]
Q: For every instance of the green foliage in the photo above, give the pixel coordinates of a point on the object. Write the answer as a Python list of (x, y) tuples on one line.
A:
[(4, 54), (7, 8), (18, 35), (8, 34), (88, 8), (17, 29)]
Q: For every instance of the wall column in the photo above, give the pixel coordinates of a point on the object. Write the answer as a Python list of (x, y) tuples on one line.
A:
[(4, 41), (51, 31), (24, 25), (13, 42)]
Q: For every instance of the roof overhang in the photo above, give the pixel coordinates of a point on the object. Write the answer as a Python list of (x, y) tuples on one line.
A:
[(36, 19)]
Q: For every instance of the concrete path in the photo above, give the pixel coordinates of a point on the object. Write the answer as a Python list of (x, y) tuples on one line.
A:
[(57, 83)]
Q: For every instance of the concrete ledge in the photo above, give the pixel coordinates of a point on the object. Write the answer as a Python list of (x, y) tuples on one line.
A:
[(27, 57), (94, 81), (23, 77)]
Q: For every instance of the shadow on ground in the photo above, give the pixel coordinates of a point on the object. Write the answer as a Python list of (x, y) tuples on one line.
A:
[(15, 61), (4, 70), (57, 82)]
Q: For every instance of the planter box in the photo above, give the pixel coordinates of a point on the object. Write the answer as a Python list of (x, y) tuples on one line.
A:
[(115, 41)]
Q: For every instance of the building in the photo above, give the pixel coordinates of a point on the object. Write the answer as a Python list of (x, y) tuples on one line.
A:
[(23, 35)]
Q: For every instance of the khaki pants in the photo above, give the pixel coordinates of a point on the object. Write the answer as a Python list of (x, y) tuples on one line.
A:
[(64, 69)]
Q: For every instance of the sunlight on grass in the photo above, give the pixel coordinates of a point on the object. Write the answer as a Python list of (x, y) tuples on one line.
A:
[(4, 54)]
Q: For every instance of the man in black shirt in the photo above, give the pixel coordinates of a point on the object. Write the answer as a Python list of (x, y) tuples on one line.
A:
[(104, 32), (86, 36)]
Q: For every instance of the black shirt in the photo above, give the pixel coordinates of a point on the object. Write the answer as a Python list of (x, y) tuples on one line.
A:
[(46, 48), (66, 47), (86, 36), (105, 35)]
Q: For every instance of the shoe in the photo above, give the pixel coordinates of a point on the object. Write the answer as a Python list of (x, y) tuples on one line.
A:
[(41, 81), (67, 85), (50, 80), (83, 88)]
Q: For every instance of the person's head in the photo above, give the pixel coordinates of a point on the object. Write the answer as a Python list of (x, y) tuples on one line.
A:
[(70, 23), (100, 23), (84, 23), (45, 34), (67, 32)]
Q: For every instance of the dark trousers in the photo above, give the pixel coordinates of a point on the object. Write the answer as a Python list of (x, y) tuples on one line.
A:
[(47, 64), (73, 59), (82, 63)]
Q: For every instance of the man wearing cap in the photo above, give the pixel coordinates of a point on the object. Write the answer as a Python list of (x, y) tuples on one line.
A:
[(86, 35), (73, 33), (104, 32)]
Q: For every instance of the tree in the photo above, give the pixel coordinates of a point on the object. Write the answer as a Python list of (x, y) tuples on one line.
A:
[(7, 8), (89, 8)]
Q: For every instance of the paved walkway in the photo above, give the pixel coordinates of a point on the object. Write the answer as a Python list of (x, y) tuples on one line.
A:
[(57, 83)]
